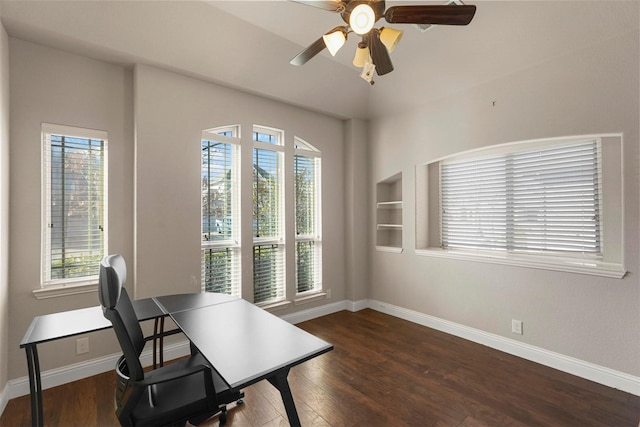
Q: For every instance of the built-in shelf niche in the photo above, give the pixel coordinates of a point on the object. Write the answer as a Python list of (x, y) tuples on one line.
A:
[(389, 214)]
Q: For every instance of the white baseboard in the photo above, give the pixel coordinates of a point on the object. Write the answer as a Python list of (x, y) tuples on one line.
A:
[(312, 313), (77, 371), (4, 398), (580, 368), (600, 374)]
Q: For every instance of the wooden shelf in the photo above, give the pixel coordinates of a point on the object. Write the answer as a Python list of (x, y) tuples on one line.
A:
[(389, 214), (390, 205), (389, 226)]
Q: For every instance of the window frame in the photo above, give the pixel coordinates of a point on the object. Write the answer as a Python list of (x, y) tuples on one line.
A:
[(233, 243), (276, 242), (610, 264), (306, 150), (50, 287)]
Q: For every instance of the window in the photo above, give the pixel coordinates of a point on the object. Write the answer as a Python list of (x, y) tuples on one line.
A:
[(541, 201), (220, 213), (268, 216), (74, 204), (306, 165), (553, 204)]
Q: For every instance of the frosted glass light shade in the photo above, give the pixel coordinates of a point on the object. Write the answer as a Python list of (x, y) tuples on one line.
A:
[(362, 18), (362, 55), (390, 38), (334, 41)]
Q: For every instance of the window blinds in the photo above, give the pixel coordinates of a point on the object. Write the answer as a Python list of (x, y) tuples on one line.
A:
[(305, 189), (268, 212), (74, 205), (266, 193), (542, 201), (218, 218), (221, 270), (308, 245)]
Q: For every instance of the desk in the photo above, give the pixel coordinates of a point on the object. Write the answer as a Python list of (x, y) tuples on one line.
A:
[(51, 327), (246, 344), (240, 331)]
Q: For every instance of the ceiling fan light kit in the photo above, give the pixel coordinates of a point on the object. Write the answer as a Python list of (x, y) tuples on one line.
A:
[(390, 37), (335, 40), (372, 53), (362, 18), (362, 55)]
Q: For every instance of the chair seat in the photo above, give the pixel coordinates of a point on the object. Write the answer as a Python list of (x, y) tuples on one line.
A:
[(166, 401)]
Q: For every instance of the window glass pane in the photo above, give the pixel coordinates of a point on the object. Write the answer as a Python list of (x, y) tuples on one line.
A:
[(307, 266), (220, 269), (75, 208), (305, 189), (220, 214), (217, 179), (268, 274), (269, 138), (266, 193)]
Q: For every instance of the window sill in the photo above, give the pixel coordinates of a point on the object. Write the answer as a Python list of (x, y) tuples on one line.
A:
[(274, 305), (569, 265), (393, 249), (65, 290), (310, 298)]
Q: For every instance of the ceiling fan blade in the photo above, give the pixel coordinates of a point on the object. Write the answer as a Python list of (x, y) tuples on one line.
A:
[(379, 53), (430, 14), (312, 50), (330, 5)]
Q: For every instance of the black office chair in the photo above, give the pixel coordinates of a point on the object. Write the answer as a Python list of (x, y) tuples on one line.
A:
[(186, 390)]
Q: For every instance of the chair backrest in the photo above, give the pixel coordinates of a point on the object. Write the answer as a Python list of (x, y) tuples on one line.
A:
[(117, 307)]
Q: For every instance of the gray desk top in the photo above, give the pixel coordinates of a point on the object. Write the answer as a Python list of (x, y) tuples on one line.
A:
[(54, 326), (245, 343), (180, 302)]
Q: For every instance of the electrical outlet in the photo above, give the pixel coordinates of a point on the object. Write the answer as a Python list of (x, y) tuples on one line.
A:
[(328, 292), (82, 345), (516, 326)]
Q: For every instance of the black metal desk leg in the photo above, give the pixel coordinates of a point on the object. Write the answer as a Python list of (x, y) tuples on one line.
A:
[(35, 385), (279, 381)]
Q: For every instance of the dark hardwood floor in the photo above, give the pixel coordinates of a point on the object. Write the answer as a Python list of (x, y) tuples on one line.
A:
[(384, 372)]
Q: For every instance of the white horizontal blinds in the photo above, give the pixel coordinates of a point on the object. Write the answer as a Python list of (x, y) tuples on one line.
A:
[(541, 201), (308, 244), (268, 273), (268, 213), (473, 204), (305, 191), (74, 220), (308, 265), (220, 214), (217, 190), (556, 200), (221, 270), (266, 193)]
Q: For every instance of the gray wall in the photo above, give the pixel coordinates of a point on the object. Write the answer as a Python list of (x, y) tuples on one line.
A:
[(4, 207), (154, 178), (56, 87), (594, 90), (171, 111)]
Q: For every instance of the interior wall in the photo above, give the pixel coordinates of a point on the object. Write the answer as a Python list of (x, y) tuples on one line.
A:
[(4, 208), (594, 90), (171, 111), (356, 155), (52, 86)]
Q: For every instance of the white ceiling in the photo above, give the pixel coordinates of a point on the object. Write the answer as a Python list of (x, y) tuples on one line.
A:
[(248, 44)]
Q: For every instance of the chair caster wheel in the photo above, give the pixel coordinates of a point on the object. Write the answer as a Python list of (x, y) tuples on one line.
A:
[(240, 401)]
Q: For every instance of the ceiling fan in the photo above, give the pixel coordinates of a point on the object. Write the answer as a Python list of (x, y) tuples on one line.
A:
[(360, 17)]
